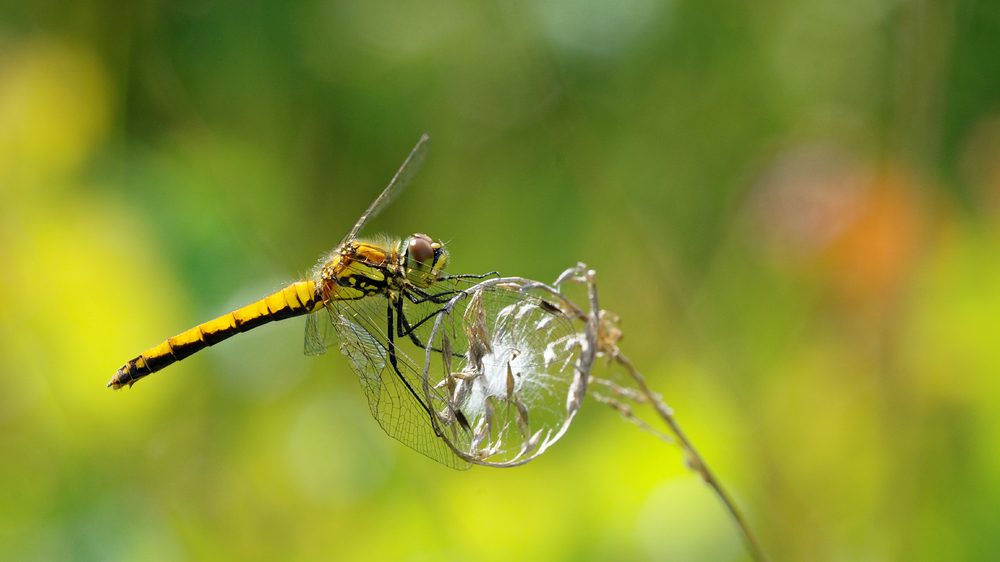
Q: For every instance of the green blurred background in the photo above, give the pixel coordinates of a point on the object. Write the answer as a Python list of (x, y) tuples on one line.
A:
[(794, 206)]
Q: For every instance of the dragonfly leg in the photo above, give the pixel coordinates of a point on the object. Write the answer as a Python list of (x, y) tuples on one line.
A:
[(395, 367), (405, 330), (469, 276), (391, 348)]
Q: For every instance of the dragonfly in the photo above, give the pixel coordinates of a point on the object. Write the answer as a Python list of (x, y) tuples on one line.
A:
[(377, 299)]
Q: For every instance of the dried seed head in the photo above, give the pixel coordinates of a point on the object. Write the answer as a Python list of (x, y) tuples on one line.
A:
[(608, 333)]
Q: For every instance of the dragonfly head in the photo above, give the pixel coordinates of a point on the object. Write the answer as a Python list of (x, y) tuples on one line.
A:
[(423, 259)]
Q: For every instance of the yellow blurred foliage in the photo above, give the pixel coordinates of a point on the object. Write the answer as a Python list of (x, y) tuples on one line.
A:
[(55, 110)]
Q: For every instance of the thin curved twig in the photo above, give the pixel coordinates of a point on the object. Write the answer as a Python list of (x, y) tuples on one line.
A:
[(608, 335), (694, 458)]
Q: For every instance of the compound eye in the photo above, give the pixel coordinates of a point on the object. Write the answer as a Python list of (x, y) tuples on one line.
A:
[(420, 249)]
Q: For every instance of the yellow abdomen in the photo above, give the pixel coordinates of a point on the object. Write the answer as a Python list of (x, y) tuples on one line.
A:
[(296, 299)]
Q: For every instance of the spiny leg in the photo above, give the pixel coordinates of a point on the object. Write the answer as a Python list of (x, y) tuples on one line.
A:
[(469, 276), (404, 329), (391, 348), (400, 323), (444, 296)]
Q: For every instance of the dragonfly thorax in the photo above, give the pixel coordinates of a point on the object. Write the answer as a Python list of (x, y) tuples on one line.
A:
[(358, 269)]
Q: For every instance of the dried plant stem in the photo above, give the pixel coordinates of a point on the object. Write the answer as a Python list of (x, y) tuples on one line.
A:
[(628, 415), (620, 391), (694, 458), (601, 337)]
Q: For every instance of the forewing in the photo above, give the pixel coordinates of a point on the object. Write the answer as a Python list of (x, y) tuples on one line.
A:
[(399, 182)]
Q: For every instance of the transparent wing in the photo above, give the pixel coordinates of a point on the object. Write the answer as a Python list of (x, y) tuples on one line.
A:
[(392, 382), (319, 333), (399, 182)]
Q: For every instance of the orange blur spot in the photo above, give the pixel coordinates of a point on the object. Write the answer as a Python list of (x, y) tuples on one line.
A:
[(871, 256)]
